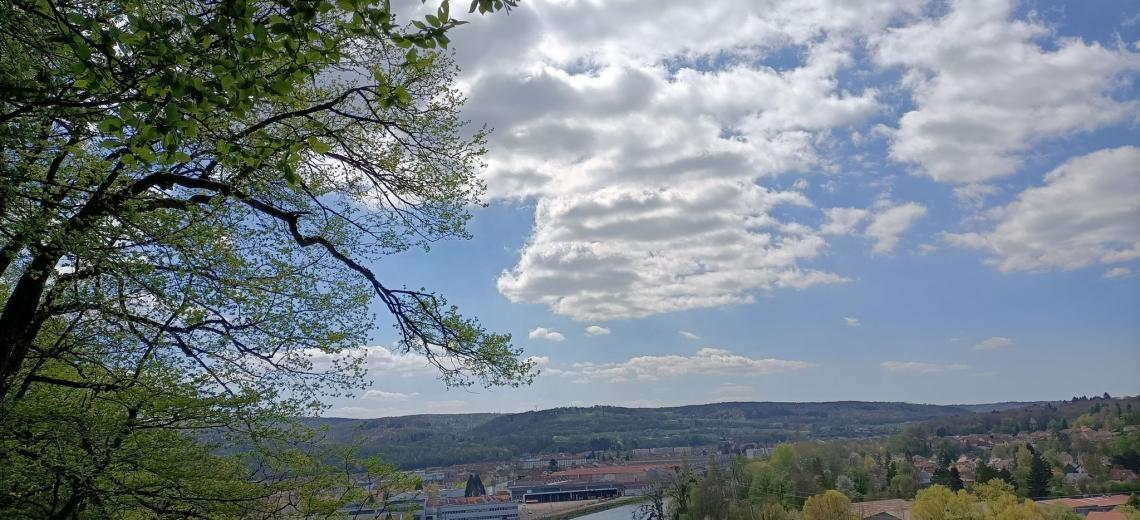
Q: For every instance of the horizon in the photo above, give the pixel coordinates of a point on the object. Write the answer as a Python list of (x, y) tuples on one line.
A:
[(1034, 402), (793, 204)]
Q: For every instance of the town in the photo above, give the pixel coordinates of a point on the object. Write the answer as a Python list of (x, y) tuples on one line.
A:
[(1087, 467)]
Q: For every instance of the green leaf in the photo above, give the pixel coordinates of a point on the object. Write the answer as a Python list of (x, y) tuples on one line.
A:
[(403, 96), (318, 146)]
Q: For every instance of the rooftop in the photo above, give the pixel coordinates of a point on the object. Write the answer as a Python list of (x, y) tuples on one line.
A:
[(1107, 515), (1104, 501), (608, 470)]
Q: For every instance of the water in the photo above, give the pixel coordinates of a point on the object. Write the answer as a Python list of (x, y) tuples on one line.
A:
[(618, 513)]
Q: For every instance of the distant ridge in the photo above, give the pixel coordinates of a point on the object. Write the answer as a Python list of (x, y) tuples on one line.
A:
[(443, 439), (1002, 406)]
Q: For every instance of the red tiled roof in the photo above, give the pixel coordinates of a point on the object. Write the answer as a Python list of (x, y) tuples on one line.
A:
[(607, 470), (1106, 515), (1108, 501)]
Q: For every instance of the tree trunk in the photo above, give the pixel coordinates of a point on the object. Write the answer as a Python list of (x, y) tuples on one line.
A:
[(18, 326)]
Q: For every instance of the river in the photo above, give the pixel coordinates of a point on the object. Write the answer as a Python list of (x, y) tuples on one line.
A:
[(618, 513)]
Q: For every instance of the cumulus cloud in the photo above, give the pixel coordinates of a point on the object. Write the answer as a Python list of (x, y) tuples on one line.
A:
[(887, 226), (920, 368), (689, 335), (705, 361), (1118, 272), (627, 252), (546, 334), (1085, 213), (843, 221), (852, 322), (993, 343), (381, 395), (886, 222), (376, 359), (597, 330), (985, 90), (645, 163)]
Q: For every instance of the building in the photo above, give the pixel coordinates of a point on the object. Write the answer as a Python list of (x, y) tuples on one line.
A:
[(497, 507), (632, 473), (1107, 515), (1124, 475), (417, 505), (532, 493), (882, 516), (402, 506), (1088, 505), (895, 508)]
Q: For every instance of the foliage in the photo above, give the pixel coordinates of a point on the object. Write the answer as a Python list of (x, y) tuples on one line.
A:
[(474, 487), (832, 505), (190, 196)]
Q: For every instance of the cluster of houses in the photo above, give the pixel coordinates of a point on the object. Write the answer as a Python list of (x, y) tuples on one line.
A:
[(1093, 508)]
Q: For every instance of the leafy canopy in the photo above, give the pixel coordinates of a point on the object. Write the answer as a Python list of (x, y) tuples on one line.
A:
[(192, 195)]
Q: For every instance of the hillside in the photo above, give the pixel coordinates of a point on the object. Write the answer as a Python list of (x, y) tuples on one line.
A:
[(432, 440)]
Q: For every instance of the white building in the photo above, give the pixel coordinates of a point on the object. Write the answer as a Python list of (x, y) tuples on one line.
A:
[(499, 507)]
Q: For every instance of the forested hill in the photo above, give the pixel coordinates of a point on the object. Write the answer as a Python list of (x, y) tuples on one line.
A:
[(432, 440)]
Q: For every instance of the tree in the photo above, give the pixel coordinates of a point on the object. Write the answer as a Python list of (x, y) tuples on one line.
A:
[(941, 476), (956, 480), (905, 483), (939, 503), (190, 197), (1039, 474), (768, 486), (474, 487), (553, 466), (831, 505), (772, 512)]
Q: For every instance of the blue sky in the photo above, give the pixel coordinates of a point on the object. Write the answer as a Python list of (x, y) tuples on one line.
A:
[(801, 201)]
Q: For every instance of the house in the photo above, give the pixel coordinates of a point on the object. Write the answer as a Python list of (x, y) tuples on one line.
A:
[(1122, 475), (882, 516), (1088, 505), (894, 509), (1107, 515), (1075, 474)]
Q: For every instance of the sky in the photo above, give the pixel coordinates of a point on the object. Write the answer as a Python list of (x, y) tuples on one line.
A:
[(750, 200)]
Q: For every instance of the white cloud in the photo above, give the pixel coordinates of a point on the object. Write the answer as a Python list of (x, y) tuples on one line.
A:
[(843, 221), (985, 90), (887, 225), (626, 252), (705, 361), (920, 368), (993, 343), (645, 162), (1118, 272), (381, 395), (1085, 213), (852, 322), (539, 361), (689, 335), (376, 359), (546, 334), (597, 330)]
